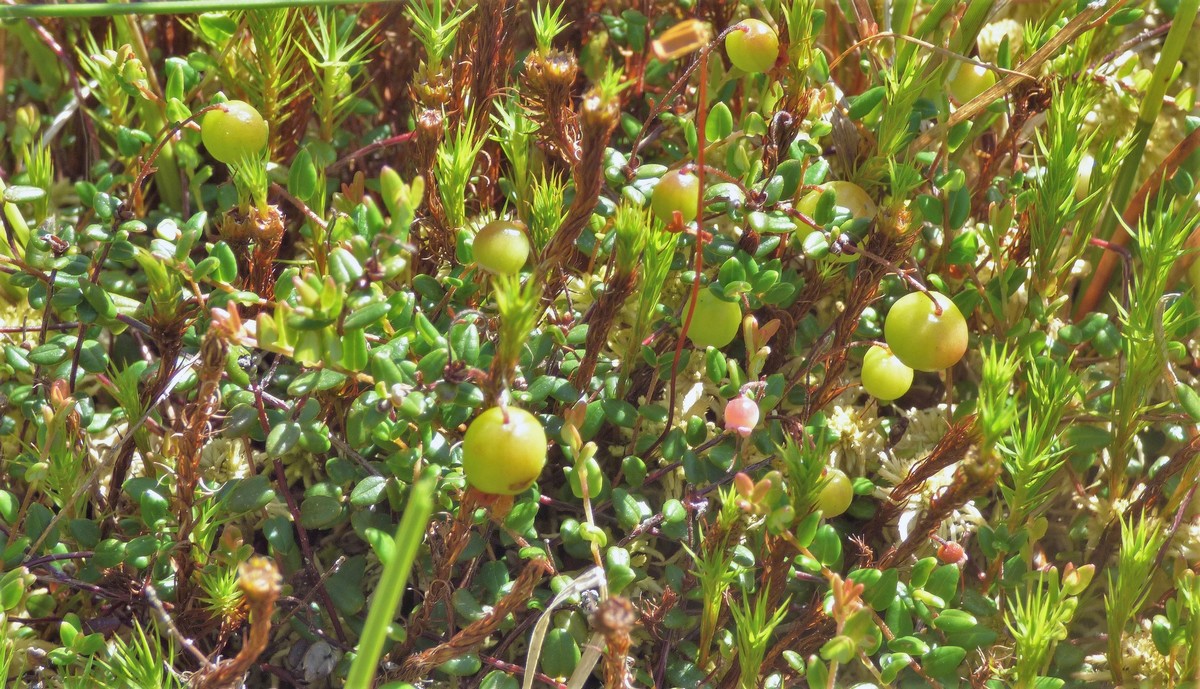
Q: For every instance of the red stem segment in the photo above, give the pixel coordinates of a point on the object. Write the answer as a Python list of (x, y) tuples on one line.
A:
[(698, 261)]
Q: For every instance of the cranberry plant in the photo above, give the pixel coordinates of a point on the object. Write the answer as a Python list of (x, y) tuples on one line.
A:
[(628, 344)]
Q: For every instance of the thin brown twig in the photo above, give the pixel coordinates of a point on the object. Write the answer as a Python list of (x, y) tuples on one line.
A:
[(306, 549), (474, 634), (19, 329), (952, 447), (160, 613), (1092, 16), (521, 670), (698, 256), (260, 583)]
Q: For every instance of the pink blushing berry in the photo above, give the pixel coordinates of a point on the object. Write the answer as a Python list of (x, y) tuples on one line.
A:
[(952, 553), (741, 415)]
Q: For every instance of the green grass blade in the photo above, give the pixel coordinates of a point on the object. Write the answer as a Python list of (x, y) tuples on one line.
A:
[(391, 585)]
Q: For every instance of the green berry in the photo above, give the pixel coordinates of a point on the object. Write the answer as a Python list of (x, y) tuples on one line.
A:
[(501, 247), (851, 202), (233, 132), (849, 199), (836, 495), (752, 46), (504, 451), (676, 191), (966, 81), (715, 322), (920, 337), (884, 376)]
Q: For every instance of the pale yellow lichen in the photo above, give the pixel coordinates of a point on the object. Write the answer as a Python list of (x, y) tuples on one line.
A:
[(991, 36), (860, 438), (1143, 661), (223, 459)]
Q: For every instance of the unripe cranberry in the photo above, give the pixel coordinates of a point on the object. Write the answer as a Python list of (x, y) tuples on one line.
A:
[(951, 553), (741, 415)]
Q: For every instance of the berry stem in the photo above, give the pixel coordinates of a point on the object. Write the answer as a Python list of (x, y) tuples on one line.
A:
[(698, 262), (792, 212), (371, 148), (701, 62), (903, 274), (147, 165)]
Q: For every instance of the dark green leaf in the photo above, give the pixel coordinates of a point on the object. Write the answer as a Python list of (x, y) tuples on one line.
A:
[(864, 103), (369, 491)]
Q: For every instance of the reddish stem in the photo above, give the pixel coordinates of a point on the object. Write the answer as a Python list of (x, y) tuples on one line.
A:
[(371, 148), (1101, 276), (698, 261)]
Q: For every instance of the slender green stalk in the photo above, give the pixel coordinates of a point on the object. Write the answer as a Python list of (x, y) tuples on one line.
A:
[(973, 19), (336, 58), (937, 11), (1128, 588), (455, 161), (1036, 620), (753, 626), (1177, 38), (659, 253), (7, 656), (519, 305), (391, 584), (715, 573), (1032, 452), (542, 208), (1163, 231), (273, 70), (435, 27), (900, 19), (100, 9)]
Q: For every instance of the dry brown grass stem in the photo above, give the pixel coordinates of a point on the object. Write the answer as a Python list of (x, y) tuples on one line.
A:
[(473, 636), (891, 244), (950, 449), (547, 89), (972, 478), (260, 582), (805, 637), (167, 330), (615, 619), (434, 238), (599, 117), (445, 551), (192, 429), (600, 322)]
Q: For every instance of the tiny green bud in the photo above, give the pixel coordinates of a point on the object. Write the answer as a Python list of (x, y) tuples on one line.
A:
[(1075, 581)]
